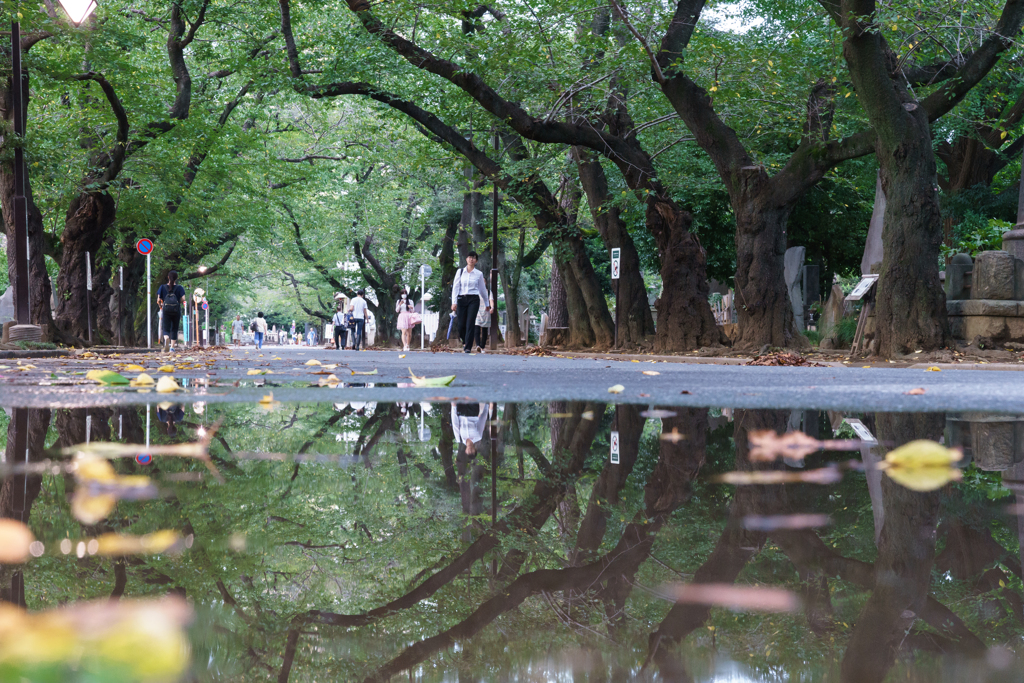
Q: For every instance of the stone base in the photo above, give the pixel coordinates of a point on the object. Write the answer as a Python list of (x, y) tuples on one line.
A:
[(998, 320), (17, 333)]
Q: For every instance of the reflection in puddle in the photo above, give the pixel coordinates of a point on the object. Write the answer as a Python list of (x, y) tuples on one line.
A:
[(481, 541)]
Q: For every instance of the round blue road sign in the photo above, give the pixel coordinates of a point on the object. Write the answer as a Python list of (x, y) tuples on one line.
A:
[(144, 246), (144, 459), (206, 305)]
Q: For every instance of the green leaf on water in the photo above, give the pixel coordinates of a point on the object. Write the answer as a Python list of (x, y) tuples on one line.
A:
[(106, 377)]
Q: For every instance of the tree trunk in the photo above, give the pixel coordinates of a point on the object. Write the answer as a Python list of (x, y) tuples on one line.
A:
[(910, 312), (446, 262), (88, 217), (39, 289), (592, 293), (685, 320), (763, 308), (558, 311), (634, 319), (581, 334)]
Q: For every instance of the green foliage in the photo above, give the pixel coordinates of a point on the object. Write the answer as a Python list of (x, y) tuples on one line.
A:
[(844, 331)]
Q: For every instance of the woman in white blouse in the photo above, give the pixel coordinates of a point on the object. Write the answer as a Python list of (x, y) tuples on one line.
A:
[(467, 290)]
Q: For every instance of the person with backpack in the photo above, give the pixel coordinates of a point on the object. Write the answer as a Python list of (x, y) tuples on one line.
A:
[(340, 329), (468, 290), (259, 329), (358, 309), (170, 298)]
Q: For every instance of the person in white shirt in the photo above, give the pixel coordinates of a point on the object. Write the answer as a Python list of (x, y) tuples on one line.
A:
[(483, 325), (237, 328), (468, 422), (467, 290), (261, 330), (358, 310)]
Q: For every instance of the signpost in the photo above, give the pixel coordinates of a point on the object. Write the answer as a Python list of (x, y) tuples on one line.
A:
[(145, 247), (615, 448), (206, 332), (120, 310), (863, 290), (425, 272), (197, 297), (616, 264), (88, 295)]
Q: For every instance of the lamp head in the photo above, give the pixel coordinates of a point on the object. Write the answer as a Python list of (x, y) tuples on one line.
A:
[(78, 10)]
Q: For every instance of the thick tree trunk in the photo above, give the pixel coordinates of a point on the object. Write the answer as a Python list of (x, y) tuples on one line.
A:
[(88, 217), (685, 320), (634, 319), (763, 308), (558, 311), (910, 304), (581, 334), (39, 289), (592, 293), (910, 311), (446, 262)]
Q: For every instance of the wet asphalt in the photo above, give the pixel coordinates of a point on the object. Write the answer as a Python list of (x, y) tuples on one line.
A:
[(225, 375)]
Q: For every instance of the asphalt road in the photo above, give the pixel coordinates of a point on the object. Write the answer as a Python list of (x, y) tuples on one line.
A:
[(225, 376)]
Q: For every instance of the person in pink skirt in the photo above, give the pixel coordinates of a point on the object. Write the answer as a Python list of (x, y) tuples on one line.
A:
[(406, 317)]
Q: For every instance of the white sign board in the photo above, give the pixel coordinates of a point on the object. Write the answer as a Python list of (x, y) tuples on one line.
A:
[(861, 430), (862, 288), (615, 448), (426, 271), (615, 263), (88, 272)]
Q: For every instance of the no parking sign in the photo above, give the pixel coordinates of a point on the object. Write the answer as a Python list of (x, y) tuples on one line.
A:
[(615, 263), (144, 246), (615, 448)]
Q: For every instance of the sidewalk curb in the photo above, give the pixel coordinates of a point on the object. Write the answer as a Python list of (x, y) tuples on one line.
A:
[(70, 353)]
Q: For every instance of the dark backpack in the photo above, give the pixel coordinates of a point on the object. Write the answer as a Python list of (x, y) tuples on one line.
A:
[(171, 303), (254, 327)]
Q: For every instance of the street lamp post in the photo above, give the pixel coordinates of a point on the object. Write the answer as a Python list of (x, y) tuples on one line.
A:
[(78, 11)]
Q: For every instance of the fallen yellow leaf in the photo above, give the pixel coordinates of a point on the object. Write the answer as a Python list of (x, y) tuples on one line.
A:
[(934, 368), (617, 389), (134, 368), (256, 372), (165, 368), (651, 372), (166, 385), (312, 361), (143, 380)]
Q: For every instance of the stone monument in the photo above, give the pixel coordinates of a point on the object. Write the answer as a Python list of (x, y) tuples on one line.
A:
[(986, 298)]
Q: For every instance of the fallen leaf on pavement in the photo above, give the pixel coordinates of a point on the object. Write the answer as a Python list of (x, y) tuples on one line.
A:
[(914, 392), (651, 372), (934, 368), (166, 385), (312, 361), (106, 377), (617, 389), (143, 380), (430, 381), (371, 372), (165, 368)]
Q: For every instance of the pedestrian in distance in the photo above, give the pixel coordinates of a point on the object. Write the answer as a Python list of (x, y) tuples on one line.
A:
[(237, 330), (169, 298), (259, 330), (483, 325), (468, 290), (406, 318), (358, 309), (340, 329)]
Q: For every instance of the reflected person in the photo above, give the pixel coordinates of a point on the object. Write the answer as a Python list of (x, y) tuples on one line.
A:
[(468, 422), (169, 414)]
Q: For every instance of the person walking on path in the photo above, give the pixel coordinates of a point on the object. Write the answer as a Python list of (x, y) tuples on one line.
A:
[(406, 319), (468, 290), (358, 310), (340, 329), (169, 298), (483, 325), (261, 330), (237, 330)]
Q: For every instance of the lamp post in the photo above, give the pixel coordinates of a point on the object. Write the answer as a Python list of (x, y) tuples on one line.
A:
[(206, 295), (78, 11)]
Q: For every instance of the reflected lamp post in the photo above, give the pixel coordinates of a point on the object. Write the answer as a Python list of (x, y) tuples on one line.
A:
[(78, 11)]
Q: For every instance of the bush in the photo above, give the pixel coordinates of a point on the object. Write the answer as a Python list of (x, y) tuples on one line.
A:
[(844, 331), (814, 336)]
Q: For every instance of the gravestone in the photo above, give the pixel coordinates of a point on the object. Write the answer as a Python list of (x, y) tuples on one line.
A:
[(7, 305), (794, 262), (834, 311), (958, 282), (873, 251), (993, 276)]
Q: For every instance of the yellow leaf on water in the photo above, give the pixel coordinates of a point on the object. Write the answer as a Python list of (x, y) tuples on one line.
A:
[(106, 377), (312, 361), (617, 389), (165, 368), (357, 372), (330, 380), (156, 542), (143, 380), (923, 465), (166, 385), (256, 372), (15, 539)]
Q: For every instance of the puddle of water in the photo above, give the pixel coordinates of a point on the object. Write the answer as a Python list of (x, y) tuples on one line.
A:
[(500, 542)]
